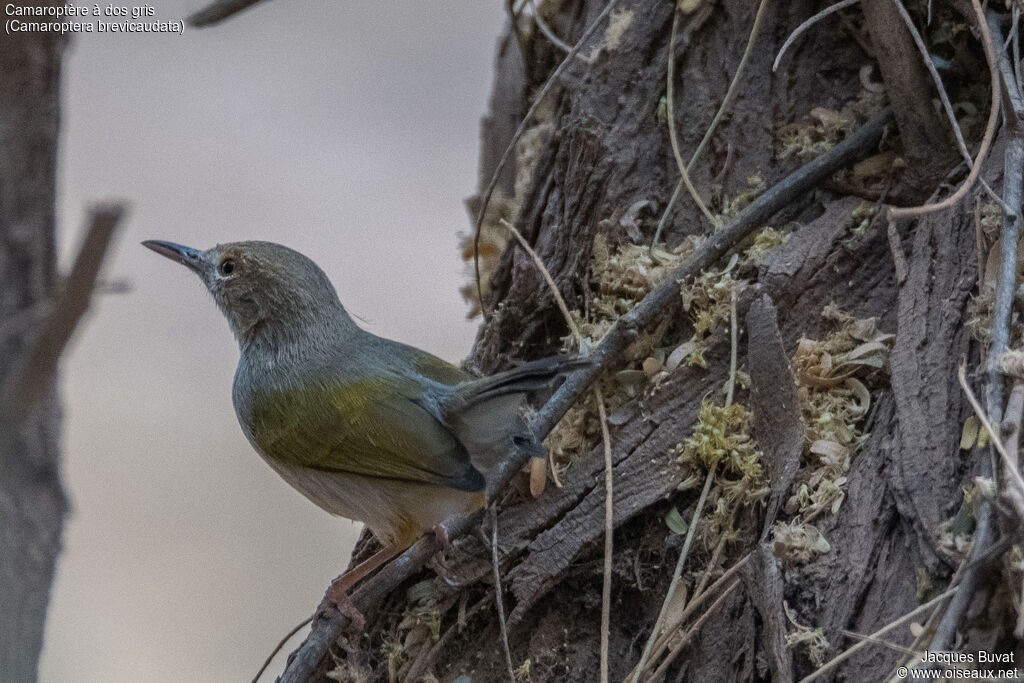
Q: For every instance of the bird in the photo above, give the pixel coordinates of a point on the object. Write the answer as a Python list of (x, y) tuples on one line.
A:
[(366, 428)]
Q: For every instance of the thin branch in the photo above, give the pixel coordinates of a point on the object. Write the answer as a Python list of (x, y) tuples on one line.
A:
[(34, 375), (986, 140), (1008, 462), (499, 603), (609, 519), (676, 574), (546, 274), (548, 33), (280, 644), (947, 106), (806, 25), (730, 93), (734, 333), (700, 595), (218, 11), (671, 111), (653, 307), (883, 643), (678, 647), (478, 223), (846, 654)]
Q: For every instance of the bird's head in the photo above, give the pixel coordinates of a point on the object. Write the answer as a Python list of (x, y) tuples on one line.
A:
[(261, 287)]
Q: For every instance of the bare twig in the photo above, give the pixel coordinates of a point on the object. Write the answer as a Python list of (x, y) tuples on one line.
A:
[(676, 575), (678, 647), (734, 333), (899, 259), (806, 25), (698, 599), (499, 603), (986, 141), (882, 642), (34, 375), (277, 648), (546, 30), (997, 442), (730, 93), (653, 306), (846, 654), (546, 274), (609, 528), (478, 223), (947, 106), (218, 11), (672, 135)]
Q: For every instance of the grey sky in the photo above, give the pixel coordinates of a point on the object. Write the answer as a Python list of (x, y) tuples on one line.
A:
[(346, 129)]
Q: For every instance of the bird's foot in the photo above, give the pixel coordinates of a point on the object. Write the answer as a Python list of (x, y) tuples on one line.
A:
[(337, 598), (441, 534), (443, 562)]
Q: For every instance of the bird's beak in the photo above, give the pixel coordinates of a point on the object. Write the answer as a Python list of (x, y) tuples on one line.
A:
[(187, 256)]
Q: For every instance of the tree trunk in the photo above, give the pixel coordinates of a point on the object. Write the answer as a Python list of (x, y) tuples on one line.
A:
[(32, 503), (596, 160)]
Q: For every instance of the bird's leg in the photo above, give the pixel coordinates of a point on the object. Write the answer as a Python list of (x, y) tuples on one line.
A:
[(337, 594), (443, 537)]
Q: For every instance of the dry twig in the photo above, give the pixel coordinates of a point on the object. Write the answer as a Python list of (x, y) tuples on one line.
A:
[(277, 648), (676, 576), (546, 30), (986, 141), (846, 654), (730, 93), (678, 647), (34, 374), (498, 601), (799, 30)]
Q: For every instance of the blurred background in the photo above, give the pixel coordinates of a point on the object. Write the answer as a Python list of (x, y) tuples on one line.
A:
[(347, 130)]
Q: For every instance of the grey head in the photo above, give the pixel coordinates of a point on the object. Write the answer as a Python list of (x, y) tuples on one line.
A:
[(265, 290)]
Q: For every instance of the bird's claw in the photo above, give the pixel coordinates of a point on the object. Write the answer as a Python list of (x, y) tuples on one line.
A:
[(337, 599)]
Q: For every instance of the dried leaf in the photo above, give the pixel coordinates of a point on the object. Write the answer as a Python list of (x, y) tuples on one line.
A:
[(969, 434), (679, 354), (631, 378), (538, 476), (830, 449), (862, 394)]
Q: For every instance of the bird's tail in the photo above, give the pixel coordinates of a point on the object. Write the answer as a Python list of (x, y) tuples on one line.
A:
[(526, 379), (487, 414)]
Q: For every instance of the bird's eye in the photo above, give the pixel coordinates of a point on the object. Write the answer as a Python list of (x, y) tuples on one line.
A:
[(227, 266)]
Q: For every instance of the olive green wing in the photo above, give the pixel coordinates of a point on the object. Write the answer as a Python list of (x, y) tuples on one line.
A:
[(371, 427)]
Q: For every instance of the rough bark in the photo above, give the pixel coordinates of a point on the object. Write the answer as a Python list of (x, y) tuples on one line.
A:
[(32, 503), (603, 151)]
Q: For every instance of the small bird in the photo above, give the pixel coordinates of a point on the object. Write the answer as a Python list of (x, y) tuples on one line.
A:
[(365, 427)]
